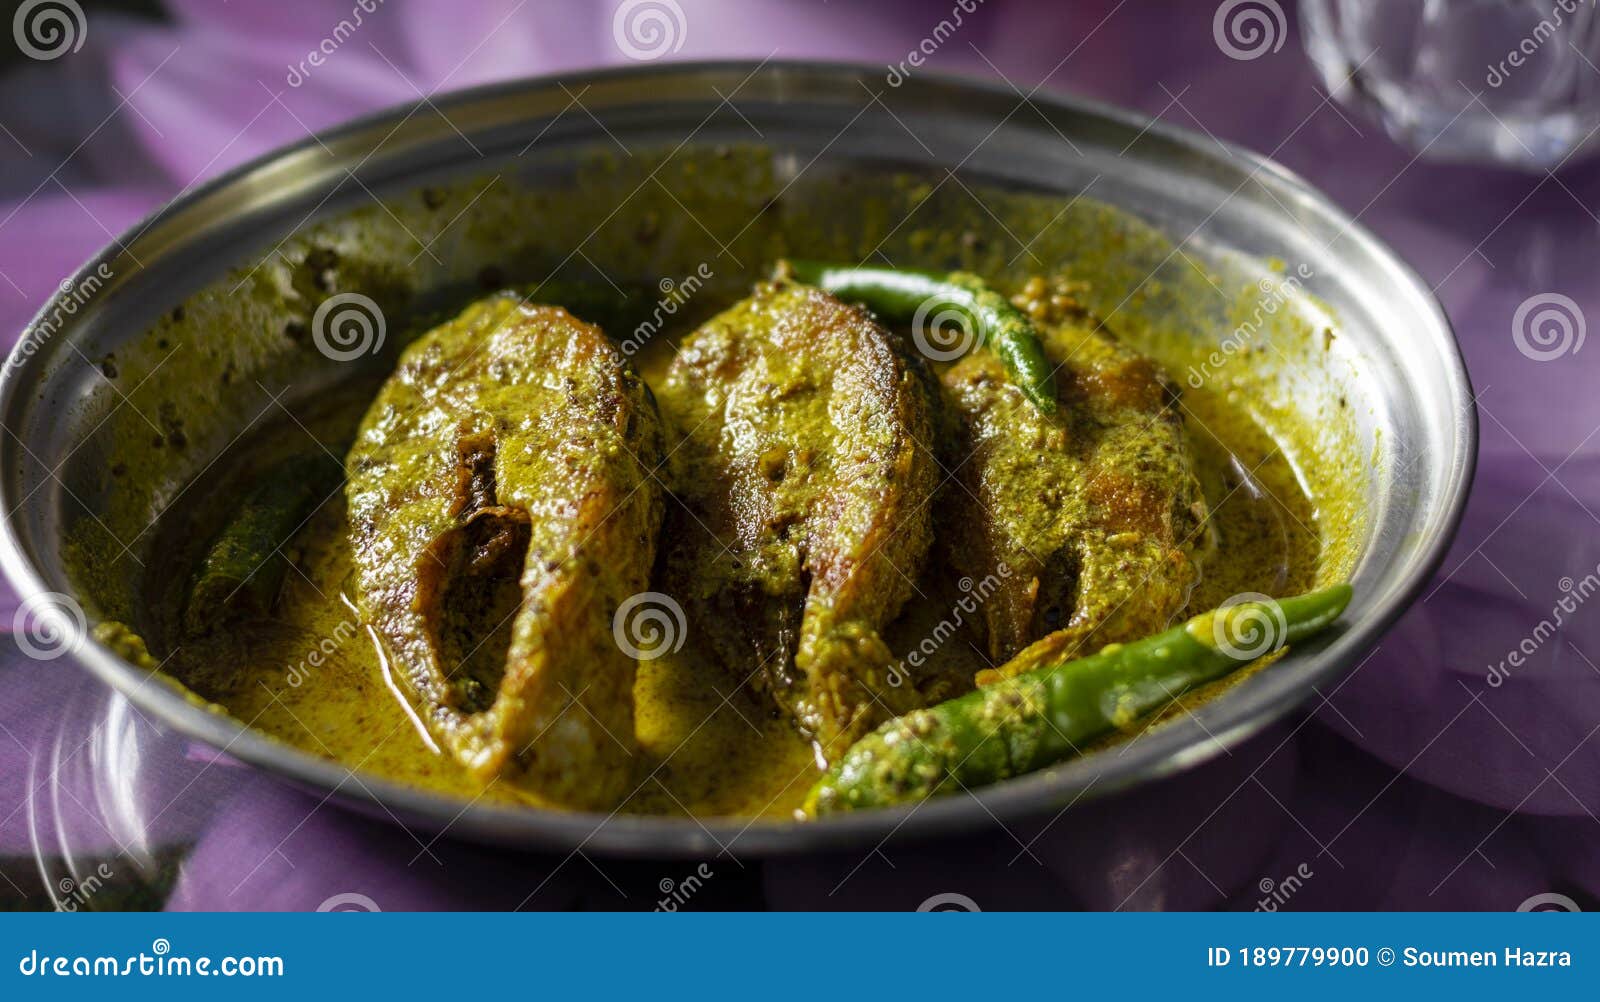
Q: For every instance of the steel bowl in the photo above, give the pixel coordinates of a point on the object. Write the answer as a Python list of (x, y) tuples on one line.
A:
[(1220, 202)]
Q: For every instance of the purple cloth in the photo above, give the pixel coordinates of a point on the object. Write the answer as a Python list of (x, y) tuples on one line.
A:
[(1424, 781)]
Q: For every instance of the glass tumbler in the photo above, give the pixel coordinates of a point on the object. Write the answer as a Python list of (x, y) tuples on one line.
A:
[(1514, 82)]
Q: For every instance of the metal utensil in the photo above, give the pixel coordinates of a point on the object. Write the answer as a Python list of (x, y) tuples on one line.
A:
[(1413, 393)]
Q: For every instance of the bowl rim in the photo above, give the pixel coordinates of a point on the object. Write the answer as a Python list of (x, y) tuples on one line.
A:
[(1173, 747)]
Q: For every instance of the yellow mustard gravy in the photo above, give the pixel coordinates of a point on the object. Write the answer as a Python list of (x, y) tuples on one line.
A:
[(313, 677)]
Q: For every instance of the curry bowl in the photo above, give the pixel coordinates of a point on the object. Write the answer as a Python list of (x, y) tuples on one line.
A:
[(1317, 374)]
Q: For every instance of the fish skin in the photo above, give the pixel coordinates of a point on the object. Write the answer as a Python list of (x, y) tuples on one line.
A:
[(1089, 523), (512, 425), (805, 469)]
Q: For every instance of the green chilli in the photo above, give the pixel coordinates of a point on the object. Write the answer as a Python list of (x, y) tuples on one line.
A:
[(1042, 716), (239, 575), (904, 296)]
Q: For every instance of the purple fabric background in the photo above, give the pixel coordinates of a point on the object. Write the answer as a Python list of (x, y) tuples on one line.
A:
[(1414, 785)]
